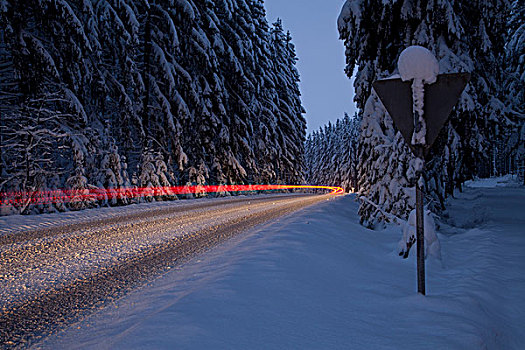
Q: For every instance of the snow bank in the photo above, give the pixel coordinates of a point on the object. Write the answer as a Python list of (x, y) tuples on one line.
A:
[(417, 62)]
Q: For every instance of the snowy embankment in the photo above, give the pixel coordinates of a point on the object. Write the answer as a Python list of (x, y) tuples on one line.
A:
[(318, 280)]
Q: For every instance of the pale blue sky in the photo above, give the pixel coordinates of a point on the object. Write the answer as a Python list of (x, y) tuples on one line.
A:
[(326, 92)]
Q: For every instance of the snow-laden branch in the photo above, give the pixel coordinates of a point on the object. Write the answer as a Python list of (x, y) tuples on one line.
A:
[(395, 219)]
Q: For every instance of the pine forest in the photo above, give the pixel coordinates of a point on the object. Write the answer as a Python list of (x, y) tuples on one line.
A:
[(121, 94)]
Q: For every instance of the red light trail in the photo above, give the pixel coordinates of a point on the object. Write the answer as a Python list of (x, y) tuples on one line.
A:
[(68, 195)]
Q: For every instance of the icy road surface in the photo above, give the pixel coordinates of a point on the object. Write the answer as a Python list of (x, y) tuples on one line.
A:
[(51, 274)]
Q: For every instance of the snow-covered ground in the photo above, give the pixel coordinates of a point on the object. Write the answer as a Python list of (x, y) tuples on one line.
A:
[(319, 280)]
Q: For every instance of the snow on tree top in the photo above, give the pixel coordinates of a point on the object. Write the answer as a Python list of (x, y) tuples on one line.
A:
[(417, 62)]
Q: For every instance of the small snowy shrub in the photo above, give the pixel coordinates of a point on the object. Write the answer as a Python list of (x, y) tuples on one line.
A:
[(432, 245)]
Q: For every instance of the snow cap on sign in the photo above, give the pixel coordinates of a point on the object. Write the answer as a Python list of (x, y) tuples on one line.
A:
[(417, 62)]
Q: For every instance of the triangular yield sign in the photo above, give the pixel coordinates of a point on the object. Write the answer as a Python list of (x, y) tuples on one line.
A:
[(396, 96), (440, 98)]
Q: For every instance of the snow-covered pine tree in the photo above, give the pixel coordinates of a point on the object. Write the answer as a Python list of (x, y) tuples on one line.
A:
[(113, 175), (77, 183), (374, 34), (117, 85), (148, 179), (236, 57), (267, 149), (515, 86), (515, 54), (291, 123), (163, 108), (46, 60), (31, 139), (202, 86)]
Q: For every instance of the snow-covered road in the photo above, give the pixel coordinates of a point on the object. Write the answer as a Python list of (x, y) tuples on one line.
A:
[(50, 274)]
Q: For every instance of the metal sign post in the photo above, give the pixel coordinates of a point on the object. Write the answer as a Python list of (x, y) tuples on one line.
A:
[(439, 99), (420, 230)]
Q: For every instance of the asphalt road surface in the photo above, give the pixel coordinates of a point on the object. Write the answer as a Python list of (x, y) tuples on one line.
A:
[(50, 277)]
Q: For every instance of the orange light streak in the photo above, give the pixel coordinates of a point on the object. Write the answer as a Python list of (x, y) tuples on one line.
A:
[(69, 196)]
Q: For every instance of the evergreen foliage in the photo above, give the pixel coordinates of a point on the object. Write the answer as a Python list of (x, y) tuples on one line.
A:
[(331, 154), (94, 93), (515, 86), (464, 36)]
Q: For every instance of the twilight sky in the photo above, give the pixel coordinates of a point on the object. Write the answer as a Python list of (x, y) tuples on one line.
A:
[(326, 92)]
